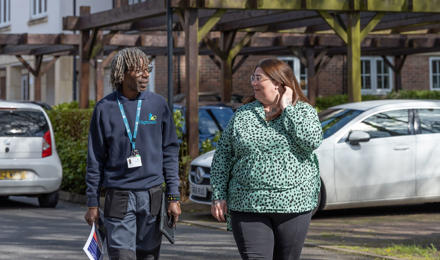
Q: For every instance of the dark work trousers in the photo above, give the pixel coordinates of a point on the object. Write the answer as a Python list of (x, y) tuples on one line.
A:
[(137, 234), (278, 236)]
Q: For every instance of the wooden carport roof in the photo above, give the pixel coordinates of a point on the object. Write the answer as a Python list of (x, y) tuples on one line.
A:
[(229, 17)]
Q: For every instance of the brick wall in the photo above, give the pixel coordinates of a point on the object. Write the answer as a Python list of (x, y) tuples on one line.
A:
[(415, 75), (330, 78)]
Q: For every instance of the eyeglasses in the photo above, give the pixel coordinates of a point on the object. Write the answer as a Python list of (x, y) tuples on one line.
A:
[(258, 78), (148, 69)]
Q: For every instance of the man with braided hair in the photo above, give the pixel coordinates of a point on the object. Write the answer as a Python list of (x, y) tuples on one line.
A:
[(132, 151)]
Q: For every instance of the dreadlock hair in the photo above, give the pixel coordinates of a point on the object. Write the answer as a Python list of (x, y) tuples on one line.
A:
[(127, 59)]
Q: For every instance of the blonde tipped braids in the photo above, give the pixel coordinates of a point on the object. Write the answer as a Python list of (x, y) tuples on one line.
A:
[(125, 60)]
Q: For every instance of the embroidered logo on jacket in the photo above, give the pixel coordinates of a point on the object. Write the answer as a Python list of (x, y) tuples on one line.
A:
[(151, 120)]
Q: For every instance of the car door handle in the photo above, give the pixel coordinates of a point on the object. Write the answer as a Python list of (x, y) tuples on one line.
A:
[(401, 148)]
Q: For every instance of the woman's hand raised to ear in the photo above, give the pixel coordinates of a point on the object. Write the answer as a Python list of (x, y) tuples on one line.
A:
[(286, 98)]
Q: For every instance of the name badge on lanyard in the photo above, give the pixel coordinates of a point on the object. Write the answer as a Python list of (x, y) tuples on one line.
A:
[(134, 160)]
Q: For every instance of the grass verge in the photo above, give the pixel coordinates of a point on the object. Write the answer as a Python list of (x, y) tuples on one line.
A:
[(413, 252)]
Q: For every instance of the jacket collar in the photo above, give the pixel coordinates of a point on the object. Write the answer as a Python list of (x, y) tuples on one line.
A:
[(142, 95)]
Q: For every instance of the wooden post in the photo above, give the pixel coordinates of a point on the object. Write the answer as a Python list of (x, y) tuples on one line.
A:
[(99, 79), (312, 81), (192, 80), (354, 56), (84, 70), (399, 60), (37, 77), (227, 39)]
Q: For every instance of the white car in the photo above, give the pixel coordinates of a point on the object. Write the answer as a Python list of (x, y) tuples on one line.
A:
[(374, 153), (29, 163)]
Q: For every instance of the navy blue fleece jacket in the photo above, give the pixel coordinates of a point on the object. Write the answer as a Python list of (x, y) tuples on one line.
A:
[(109, 146)]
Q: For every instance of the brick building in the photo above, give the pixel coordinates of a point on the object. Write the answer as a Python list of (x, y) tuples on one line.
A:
[(420, 72)]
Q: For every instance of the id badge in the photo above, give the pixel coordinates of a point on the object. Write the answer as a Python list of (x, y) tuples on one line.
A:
[(134, 161)]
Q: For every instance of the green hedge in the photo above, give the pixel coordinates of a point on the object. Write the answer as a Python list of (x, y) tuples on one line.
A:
[(71, 128), (326, 102)]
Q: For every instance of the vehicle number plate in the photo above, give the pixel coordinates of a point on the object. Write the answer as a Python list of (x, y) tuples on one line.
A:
[(198, 190), (12, 175)]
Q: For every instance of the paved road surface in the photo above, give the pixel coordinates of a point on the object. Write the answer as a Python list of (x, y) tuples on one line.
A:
[(30, 232)]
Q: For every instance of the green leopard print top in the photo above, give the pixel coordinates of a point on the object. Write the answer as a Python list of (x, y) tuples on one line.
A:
[(268, 166)]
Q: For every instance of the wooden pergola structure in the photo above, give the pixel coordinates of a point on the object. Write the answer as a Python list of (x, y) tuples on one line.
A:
[(38, 45), (228, 28)]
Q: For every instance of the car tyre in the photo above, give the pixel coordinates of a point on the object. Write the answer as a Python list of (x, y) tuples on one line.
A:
[(49, 200)]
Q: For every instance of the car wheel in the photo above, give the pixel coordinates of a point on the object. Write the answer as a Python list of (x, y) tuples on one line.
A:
[(321, 199), (49, 200)]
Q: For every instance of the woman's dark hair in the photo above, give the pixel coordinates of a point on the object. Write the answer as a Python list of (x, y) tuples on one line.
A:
[(280, 73)]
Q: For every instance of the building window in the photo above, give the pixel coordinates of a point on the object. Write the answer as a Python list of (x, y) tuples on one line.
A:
[(130, 2), (434, 73), (299, 71), (376, 76), (38, 8), (5, 12)]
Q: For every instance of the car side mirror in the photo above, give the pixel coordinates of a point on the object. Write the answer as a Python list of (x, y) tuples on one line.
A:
[(356, 136)]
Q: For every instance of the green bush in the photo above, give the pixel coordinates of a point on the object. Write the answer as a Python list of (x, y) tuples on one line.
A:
[(71, 127), (184, 158), (323, 103)]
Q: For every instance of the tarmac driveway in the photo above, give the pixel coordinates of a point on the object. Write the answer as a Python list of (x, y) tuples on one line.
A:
[(379, 227)]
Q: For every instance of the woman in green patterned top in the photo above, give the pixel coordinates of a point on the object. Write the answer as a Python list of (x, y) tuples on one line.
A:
[(264, 171)]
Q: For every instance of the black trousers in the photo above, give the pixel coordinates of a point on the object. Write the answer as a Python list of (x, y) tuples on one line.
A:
[(277, 236)]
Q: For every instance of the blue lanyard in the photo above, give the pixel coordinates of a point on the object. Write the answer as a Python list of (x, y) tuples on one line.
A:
[(127, 127)]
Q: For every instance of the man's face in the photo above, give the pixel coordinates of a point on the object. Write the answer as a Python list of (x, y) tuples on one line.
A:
[(137, 80)]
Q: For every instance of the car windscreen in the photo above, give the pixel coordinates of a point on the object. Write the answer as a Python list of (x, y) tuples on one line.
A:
[(223, 116), (334, 119), (207, 125), (22, 123)]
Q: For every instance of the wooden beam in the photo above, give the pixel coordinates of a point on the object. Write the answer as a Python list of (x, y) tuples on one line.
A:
[(237, 65), (260, 20), (84, 72), (354, 57), (399, 60), (97, 46), (243, 42), (333, 23), (99, 79), (120, 3), (216, 62), (213, 20), (312, 79), (26, 65), (371, 24), (115, 16), (49, 65), (192, 80), (37, 79), (109, 58), (323, 5), (39, 39), (226, 40)]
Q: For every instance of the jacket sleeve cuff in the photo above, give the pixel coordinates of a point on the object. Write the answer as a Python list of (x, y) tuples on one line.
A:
[(92, 202), (218, 196)]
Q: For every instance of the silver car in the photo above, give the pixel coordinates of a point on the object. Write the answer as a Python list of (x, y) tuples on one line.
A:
[(29, 163), (374, 153)]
